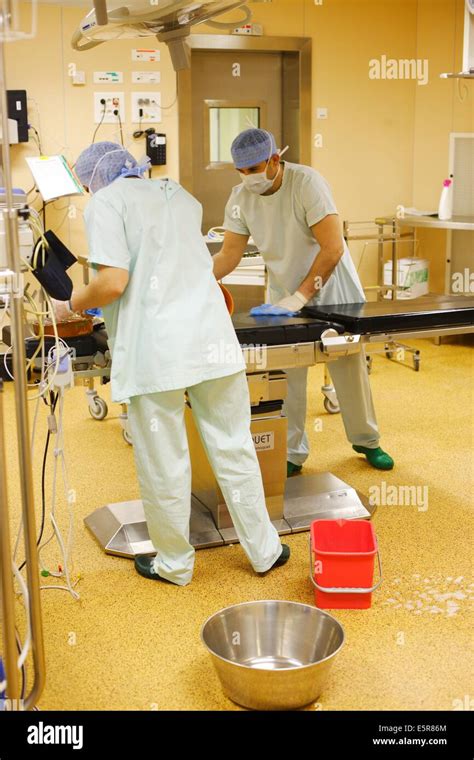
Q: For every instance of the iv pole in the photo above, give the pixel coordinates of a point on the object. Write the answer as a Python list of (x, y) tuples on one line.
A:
[(23, 434)]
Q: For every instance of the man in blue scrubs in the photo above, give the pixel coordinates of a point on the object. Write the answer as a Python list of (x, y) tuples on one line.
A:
[(289, 211), (170, 332)]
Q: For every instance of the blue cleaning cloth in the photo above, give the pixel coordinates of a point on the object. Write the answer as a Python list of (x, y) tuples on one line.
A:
[(271, 310), (95, 312)]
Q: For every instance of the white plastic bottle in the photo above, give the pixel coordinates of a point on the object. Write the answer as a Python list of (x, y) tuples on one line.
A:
[(445, 210)]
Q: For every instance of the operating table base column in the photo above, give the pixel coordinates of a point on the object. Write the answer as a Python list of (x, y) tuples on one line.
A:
[(315, 497), (292, 503), (121, 528)]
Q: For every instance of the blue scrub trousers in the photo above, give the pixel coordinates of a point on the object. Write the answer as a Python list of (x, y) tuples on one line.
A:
[(221, 410), (351, 382)]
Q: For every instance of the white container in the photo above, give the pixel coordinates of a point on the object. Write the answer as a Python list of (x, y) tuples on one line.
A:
[(412, 277), (25, 240), (445, 210)]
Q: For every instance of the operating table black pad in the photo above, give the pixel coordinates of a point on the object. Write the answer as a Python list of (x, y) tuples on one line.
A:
[(279, 331), (375, 317), (434, 311), (403, 315)]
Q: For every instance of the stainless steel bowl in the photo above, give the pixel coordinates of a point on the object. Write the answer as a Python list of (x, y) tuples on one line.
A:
[(272, 655)]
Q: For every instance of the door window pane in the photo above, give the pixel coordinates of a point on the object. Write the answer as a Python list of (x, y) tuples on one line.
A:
[(225, 125)]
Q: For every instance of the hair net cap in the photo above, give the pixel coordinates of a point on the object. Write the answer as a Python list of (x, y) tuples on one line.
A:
[(252, 147), (103, 162)]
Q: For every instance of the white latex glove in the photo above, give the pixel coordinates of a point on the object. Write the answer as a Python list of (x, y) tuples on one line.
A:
[(61, 310), (294, 302)]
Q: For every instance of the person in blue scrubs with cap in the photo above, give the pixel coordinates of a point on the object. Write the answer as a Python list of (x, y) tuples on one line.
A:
[(289, 211), (170, 332)]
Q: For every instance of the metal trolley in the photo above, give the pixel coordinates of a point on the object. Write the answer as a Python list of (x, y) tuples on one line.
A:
[(87, 369), (379, 232)]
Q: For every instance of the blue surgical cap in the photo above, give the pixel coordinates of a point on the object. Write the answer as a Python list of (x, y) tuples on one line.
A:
[(103, 162), (252, 147)]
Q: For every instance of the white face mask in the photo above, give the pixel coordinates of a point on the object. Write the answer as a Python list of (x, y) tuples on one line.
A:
[(259, 182)]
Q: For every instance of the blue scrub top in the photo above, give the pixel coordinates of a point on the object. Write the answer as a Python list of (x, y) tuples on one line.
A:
[(280, 225), (170, 329)]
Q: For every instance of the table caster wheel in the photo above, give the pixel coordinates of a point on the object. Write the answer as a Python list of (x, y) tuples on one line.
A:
[(98, 408), (127, 437), (330, 407)]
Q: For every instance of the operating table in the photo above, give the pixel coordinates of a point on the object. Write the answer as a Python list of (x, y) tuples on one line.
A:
[(270, 346)]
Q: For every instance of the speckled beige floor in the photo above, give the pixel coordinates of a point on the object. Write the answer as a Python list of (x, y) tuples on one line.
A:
[(132, 644)]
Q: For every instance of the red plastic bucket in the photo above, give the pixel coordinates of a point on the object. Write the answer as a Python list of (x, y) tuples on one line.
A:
[(343, 574)]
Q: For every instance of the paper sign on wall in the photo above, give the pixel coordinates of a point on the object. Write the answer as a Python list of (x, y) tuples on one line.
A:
[(111, 77), (145, 54), (146, 77)]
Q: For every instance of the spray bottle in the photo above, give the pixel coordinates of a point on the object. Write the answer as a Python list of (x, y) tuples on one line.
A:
[(445, 210), (2, 686)]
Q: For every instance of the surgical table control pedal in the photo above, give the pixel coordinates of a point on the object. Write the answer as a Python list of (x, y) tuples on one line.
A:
[(271, 345)]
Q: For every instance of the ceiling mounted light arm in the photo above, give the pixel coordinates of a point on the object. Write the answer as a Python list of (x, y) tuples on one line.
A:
[(169, 20), (178, 47), (231, 24), (123, 15), (100, 7), (80, 43)]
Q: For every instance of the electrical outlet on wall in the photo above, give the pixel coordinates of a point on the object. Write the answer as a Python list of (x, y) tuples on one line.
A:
[(150, 105), (114, 101)]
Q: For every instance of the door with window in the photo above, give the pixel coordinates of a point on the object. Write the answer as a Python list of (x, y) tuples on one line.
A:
[(231, 91)]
